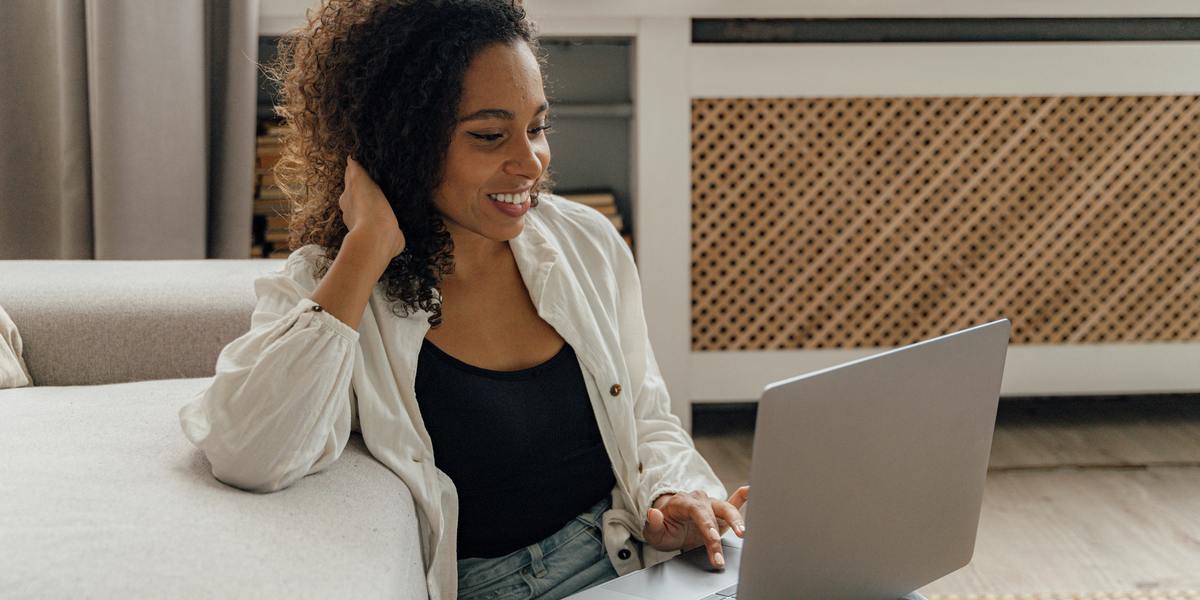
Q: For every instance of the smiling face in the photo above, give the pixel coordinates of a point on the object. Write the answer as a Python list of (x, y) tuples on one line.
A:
[(498, 146)]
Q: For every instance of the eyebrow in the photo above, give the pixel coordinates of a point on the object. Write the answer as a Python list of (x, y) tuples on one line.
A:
[(499, 113)]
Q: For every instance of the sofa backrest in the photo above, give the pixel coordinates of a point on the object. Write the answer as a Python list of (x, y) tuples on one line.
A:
[(87, 322)]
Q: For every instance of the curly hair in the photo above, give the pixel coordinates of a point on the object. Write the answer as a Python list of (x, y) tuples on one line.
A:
[(382, 81)]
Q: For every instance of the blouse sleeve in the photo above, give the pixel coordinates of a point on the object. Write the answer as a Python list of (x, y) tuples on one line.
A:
[(280, 404), (670, 461)]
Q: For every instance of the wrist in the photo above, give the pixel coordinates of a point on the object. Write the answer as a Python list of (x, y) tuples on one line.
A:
[(368, 246)]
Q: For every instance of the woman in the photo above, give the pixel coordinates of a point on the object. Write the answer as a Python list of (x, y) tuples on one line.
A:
[(440, 302)]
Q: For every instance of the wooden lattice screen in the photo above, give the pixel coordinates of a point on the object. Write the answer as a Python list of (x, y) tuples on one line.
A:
[(875, 222)]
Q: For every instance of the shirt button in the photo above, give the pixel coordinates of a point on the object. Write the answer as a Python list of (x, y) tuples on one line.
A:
[(615, 390), (623, 554), (317, 308)]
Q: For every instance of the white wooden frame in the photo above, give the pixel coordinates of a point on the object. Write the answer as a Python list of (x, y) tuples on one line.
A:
[(280, 15), (993, 69), (669, 71)]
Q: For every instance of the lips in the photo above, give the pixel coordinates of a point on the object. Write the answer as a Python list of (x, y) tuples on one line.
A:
[(512, 210)]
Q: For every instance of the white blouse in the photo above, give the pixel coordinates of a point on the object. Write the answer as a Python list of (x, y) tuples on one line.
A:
[(287, 393)]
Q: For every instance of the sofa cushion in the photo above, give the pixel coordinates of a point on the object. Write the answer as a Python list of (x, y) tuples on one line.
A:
[(113, 321), (102, 496)]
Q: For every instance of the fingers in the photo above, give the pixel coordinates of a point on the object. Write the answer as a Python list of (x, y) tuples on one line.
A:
[(696, 519), (729, 513), (740, 496), (706, 523), (354, 173), (344, 199)]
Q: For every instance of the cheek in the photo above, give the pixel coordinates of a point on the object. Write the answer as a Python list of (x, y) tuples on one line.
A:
[(466, 168), (458, 161)]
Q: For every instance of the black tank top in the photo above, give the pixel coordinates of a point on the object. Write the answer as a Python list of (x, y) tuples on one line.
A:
[(522, 447)]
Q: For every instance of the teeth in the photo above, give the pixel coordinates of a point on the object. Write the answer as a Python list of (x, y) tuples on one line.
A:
[(510, 198)]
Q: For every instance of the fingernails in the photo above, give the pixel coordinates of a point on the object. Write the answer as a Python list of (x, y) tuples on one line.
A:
[(714, 533), (720, 560), (741, 527)]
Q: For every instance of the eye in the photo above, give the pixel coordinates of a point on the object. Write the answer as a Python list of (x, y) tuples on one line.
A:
[(491, 137)]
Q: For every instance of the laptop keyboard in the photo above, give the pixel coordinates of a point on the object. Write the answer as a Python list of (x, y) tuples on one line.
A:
[(725, 594)]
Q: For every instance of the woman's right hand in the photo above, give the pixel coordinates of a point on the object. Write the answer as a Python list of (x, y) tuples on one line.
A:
[(366, 211)]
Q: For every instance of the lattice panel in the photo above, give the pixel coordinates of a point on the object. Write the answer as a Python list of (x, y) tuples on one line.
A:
[(875, 222)]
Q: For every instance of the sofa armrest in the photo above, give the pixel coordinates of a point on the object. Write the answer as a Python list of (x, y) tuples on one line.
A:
[(112, 321)]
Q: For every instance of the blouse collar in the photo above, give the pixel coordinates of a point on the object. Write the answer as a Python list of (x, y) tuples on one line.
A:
[(536, 253)]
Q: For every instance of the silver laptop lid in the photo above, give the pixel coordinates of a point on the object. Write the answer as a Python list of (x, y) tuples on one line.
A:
[(868, 477)]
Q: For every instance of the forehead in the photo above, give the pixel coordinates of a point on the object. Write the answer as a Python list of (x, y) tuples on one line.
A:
[(505, 76)]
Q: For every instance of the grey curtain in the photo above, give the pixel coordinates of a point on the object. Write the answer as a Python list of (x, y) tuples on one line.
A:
[(127, 128)]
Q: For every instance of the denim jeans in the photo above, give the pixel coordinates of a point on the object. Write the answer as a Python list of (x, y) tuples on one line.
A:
[(570, 560)]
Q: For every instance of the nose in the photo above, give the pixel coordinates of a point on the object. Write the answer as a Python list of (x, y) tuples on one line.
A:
[(528, 158)]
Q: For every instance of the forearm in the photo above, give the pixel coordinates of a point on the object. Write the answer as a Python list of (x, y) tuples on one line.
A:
[(674, 468), (346, 288), (278, 405)]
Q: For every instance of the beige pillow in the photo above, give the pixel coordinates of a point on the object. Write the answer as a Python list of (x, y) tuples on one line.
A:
[(13, 372)]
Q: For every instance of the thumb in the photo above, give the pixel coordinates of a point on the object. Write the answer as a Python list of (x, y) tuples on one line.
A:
[(654, 520), (740, 496)]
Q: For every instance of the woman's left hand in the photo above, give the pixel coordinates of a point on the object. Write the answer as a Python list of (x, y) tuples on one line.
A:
[(686, 520)]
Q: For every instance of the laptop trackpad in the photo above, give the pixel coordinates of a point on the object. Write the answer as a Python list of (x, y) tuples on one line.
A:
[(688, 575)]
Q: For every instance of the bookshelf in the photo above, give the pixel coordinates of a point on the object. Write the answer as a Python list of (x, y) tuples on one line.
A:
[(674, 78), (270, 205)]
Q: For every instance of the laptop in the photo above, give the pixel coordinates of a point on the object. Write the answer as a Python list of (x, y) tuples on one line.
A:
[(866, 480)]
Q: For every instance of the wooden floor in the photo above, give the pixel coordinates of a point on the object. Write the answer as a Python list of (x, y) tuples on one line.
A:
[(1083, 494)]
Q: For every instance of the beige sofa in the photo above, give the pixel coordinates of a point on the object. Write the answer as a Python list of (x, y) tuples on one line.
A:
[(101, 496)]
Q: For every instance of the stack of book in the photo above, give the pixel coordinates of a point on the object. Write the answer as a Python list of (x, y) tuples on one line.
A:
[(271, 206), (606, 203)]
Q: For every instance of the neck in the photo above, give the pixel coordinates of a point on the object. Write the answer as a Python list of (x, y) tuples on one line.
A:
[(476, 258)]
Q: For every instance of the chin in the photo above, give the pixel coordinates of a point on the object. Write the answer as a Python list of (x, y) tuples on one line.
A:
[(501, 232)]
